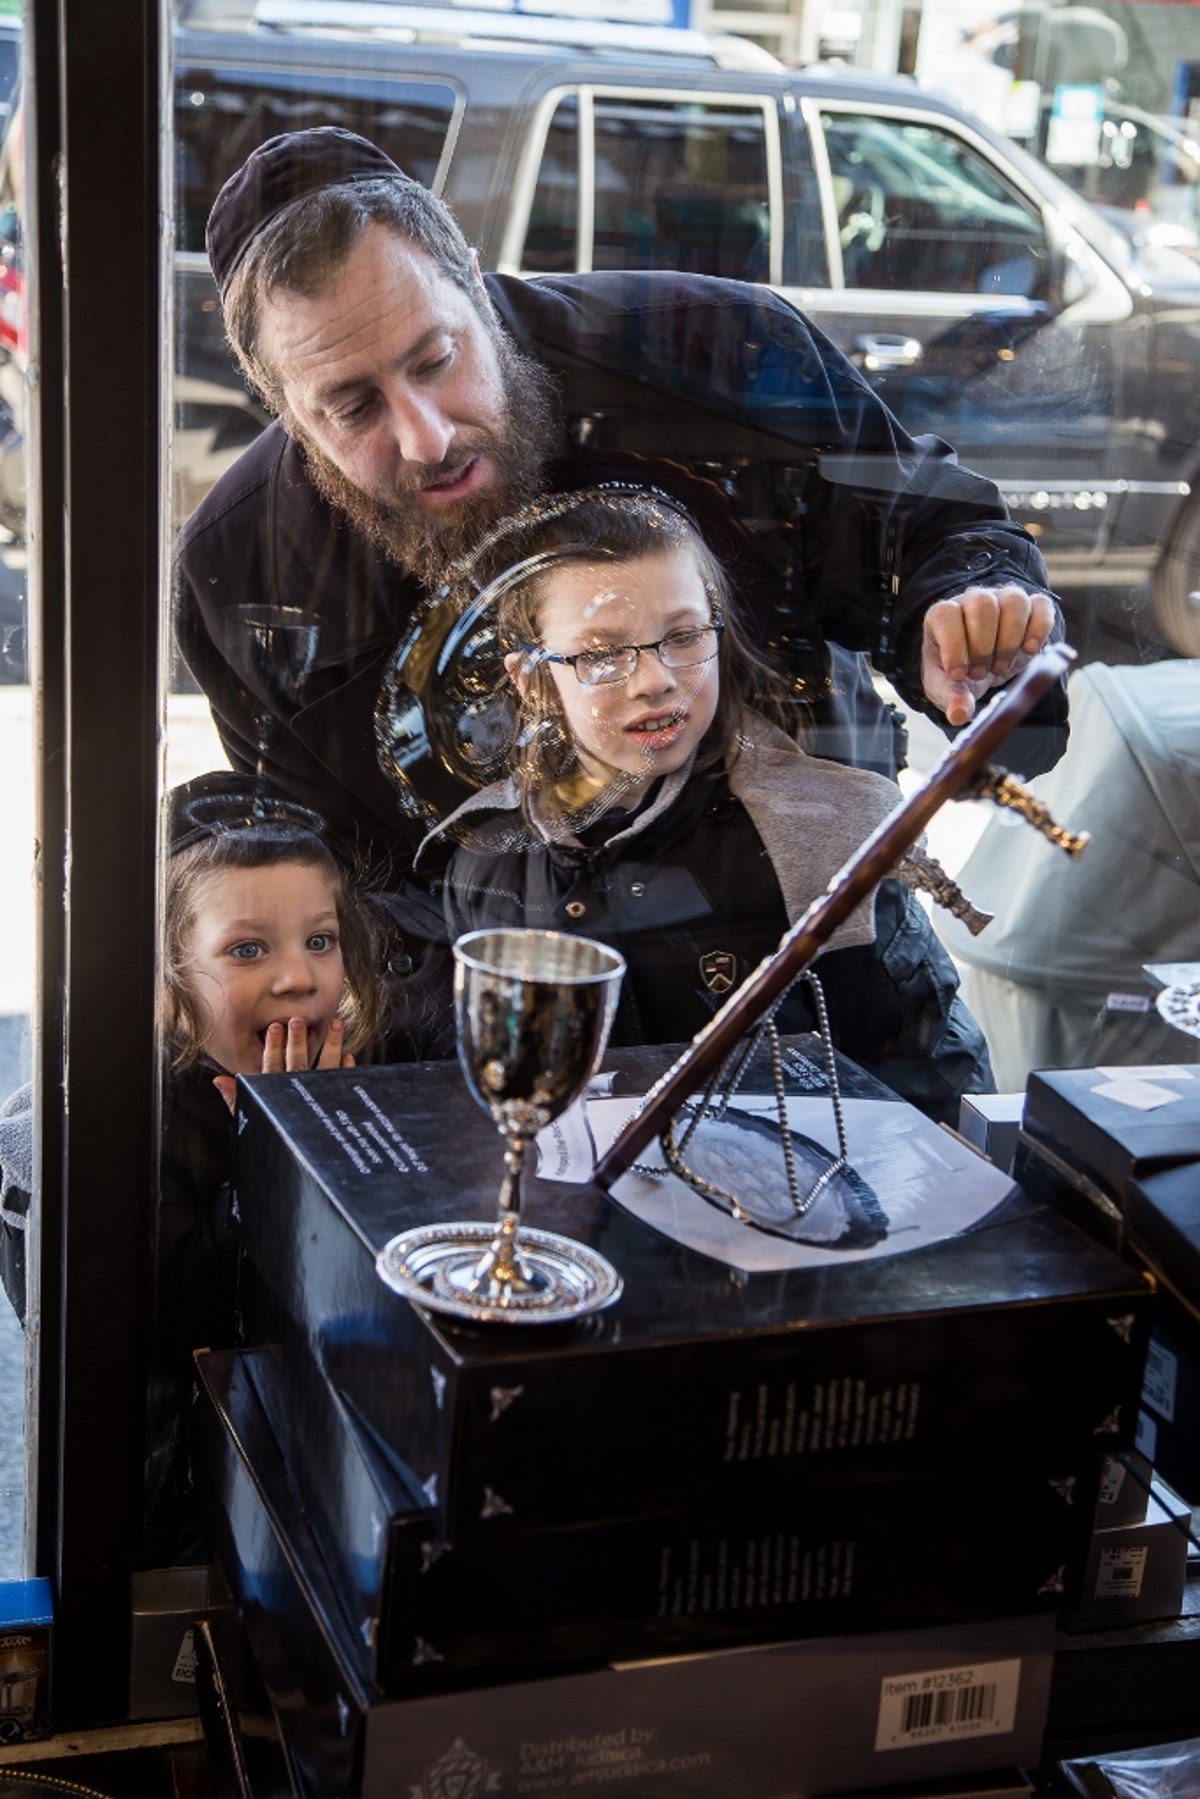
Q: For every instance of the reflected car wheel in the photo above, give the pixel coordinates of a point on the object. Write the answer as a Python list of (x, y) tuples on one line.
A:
[(1176, 593)]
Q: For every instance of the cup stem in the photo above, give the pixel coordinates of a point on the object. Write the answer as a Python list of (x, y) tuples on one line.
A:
[(502, 1270)]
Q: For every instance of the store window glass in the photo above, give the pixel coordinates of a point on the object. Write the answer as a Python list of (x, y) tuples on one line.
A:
[(971, 296), (552, 237), (977, 304), (221, 113)]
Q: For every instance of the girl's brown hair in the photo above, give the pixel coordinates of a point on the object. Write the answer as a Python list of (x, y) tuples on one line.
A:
[(265, 843), (618, 525)]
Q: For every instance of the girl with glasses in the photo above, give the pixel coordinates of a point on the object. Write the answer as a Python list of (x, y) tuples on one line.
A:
[(658, 798)]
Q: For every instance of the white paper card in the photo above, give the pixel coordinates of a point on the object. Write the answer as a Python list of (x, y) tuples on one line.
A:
[(930, 1184), (565, 1151), (1142, 1096)]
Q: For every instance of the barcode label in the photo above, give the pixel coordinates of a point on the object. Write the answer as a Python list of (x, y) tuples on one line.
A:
[(1111, 1480), (1158, 1385), (941, 1704), (1121, 1572), (968, 1705)]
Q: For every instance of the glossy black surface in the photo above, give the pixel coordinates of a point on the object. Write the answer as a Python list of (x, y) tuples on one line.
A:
[(995, 1344), (1111, 1141), (1162, 1212), (787, 1557), (749, 1723), (307, 1657)]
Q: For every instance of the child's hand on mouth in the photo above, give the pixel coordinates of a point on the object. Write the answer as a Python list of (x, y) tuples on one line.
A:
[(285, 1050)]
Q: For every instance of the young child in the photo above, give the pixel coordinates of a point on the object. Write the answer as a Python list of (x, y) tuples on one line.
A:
[(657, 799), (270, 962)]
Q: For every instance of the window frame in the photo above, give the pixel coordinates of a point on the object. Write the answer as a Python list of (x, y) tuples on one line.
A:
[(586, 96), (97, 606)]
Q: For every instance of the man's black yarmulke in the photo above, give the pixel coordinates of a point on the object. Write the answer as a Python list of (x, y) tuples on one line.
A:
[(280, 171)]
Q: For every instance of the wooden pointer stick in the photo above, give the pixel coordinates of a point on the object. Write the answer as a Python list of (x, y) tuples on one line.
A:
[(966, 759)]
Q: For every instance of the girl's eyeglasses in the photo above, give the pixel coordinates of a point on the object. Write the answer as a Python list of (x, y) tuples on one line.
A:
[(600, 668)]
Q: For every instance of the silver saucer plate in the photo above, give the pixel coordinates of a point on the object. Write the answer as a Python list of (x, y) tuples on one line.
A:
[(435, 1264)]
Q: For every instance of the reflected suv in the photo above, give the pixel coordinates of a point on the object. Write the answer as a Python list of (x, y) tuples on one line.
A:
[(982, 297)]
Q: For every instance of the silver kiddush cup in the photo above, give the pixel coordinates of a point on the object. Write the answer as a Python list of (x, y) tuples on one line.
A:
[(533, 1011)]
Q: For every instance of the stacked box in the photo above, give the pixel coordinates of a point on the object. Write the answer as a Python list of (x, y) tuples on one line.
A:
[(992, 1121), (1114, 1125), (165, 1605), (1124, 1490), (1136, 1571), (798, 1559), (909, 1439), (816, 1715), (1133, 1176)]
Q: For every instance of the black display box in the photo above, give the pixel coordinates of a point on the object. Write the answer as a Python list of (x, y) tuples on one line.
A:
[(1113, 1143), (1019, 1341), (1009, 1784), (1169, 1425), (1163, 1218), (858, 1556), (1134, 1179), (814, 1716)]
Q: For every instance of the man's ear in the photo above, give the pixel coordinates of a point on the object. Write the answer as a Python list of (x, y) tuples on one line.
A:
[(476, 271), (517, 670)]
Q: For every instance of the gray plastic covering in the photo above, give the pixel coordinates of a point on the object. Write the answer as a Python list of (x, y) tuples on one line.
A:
[(1070, 934), (1164, 1771)]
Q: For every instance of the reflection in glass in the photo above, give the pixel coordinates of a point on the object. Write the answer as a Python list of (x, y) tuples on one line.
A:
[(281, 645)]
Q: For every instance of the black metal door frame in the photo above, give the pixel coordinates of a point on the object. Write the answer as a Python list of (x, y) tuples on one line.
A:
[(94, 134)]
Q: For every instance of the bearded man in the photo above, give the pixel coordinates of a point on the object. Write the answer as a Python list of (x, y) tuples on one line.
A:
[(418, 402)]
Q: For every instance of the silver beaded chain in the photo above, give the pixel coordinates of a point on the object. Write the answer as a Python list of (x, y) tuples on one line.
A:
[(715, 1101)]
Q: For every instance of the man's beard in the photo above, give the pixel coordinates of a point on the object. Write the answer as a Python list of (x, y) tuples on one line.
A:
[(424, 543)]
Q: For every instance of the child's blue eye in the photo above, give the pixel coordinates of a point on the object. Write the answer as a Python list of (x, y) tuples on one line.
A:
[(322, 940), (245, 952)]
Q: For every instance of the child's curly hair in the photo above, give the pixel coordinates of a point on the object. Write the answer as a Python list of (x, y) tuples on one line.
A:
[(244, 840)]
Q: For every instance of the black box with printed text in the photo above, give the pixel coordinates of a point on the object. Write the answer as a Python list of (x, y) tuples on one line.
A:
[(1018, 1338), (817, 1715)]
